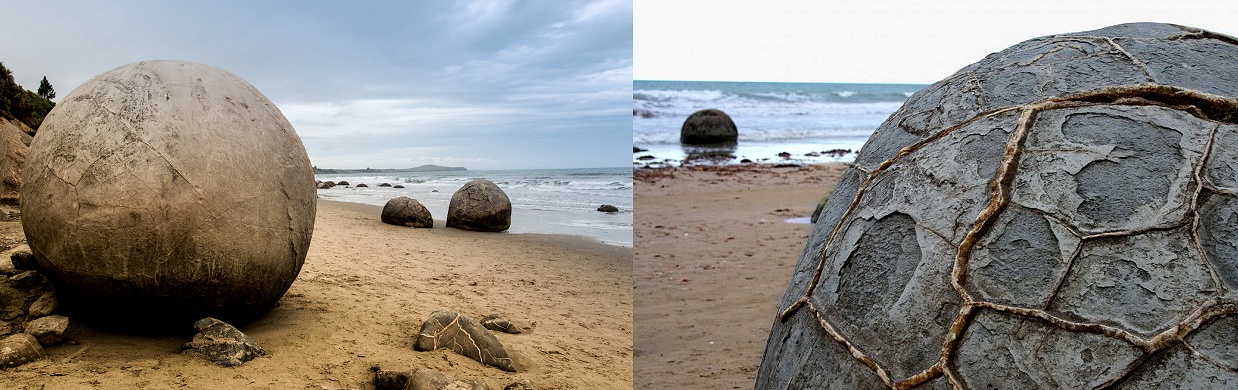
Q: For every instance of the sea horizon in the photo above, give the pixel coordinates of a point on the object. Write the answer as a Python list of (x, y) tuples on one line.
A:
[(560, 201), (779, 122)]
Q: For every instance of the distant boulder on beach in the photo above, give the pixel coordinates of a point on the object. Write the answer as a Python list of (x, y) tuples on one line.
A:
[(480, 205), (405, 211), (708, 126), (608, 208)]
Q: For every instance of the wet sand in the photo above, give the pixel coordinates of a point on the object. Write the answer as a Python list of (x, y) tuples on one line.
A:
[(713, 256)]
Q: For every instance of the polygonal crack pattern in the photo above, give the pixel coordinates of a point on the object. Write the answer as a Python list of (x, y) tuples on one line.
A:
[(1107, 261)]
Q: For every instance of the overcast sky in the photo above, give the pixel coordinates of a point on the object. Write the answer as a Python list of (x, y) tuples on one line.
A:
[(480, 84), (871, 41)]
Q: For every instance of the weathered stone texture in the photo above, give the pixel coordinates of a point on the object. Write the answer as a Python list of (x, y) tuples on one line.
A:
[(1060, 214), (167, 188)]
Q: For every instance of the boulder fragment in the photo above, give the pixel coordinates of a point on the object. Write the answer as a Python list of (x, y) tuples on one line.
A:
[(462, 335), (43, 306), (222, 344), (19, 349), (48, 330), (499, 323)]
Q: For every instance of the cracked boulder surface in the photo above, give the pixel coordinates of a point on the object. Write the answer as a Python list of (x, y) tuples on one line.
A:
[(1058, 215), (453, 331), (480, 205), (167, 190)]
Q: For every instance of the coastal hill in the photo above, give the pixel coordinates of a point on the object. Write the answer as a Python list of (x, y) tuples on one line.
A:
[(423, 168)]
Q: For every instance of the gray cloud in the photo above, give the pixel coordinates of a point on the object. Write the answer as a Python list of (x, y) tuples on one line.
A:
[(482, 84)]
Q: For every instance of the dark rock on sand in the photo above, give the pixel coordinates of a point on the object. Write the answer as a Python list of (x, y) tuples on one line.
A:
[(385, 185), (360, 185), (422, 379), (608, 208), (26, 280), (20, 349), (48, 330), (462, 335), (480, 206), (427, 379), (24, 260), (638, 150), (708, 126), (397, 186), (325, 185), (499, 323), (222, 344), (343, 183), (405, 211), (522, 384)]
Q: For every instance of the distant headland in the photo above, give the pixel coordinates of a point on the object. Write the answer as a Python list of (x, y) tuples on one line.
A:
[(423, 168)]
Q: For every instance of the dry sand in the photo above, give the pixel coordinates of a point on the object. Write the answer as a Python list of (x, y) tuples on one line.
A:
[(713, 256), (360, 300)]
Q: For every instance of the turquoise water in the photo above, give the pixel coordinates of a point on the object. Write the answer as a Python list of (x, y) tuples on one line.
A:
[(546, 201), (797, 118)]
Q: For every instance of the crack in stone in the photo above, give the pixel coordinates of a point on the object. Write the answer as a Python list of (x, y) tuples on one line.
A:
[(1203, 105)]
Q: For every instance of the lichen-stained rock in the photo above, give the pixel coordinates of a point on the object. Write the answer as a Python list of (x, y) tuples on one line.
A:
[(480, 205), (463, 335), (170, 190), (222, 344), (405, 211), (1058, 215)]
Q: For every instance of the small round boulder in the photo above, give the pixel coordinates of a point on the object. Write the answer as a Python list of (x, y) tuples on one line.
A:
[(481, 206), (405, 211), (167, 191), (708, 126)]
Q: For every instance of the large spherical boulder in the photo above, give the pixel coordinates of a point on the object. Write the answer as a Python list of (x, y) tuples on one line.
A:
[(1060, 214), (168, 190), (708, 126), (481, 206), (405, 211)]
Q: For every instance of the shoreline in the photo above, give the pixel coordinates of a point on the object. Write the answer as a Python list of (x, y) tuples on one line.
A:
[(578, 242), (359, 301), (707, 284)]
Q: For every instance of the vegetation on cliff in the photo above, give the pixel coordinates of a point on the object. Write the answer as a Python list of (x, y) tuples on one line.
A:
[(23, 105)]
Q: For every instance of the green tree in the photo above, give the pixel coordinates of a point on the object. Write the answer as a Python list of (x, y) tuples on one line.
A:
[(45, 89)]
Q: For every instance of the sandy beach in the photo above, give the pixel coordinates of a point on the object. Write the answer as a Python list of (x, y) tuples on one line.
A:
[(712, 258), (365, 289)]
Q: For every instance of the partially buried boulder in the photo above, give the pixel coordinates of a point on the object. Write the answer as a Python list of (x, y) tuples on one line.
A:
[(168, 190), (1060, 214), (606, 208), (405, 211), (481, 206), (222, 344), (708, 126), (463, 335), (19, 349)]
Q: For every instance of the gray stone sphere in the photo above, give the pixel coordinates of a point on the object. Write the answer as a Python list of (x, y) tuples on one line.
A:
[(168, 190), (708, 126), (405, 211), (1060, 214), (480, 205)]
